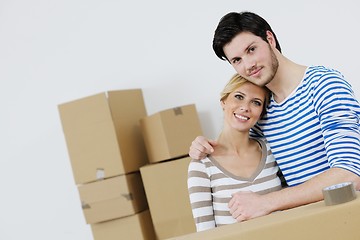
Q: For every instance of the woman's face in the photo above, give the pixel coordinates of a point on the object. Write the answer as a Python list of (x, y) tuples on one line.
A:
[(243, 106)]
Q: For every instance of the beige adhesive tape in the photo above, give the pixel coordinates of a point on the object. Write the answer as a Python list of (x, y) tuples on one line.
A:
[(339, 193)]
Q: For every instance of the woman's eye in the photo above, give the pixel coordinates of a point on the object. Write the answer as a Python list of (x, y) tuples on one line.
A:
[(239, 96), (257, 103)]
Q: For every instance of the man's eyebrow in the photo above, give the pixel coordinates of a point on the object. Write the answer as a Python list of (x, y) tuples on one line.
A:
[(234, 58), (246, 50), (249, 46)]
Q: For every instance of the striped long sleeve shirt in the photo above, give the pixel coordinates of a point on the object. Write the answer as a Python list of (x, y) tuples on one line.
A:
[(210, 187), (315, 128)]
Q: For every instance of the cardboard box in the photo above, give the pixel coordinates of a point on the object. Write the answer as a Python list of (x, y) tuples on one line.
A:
[(137, 227), (102, 134), (113, 198), (168, 134), (166, 190), (312, 222)]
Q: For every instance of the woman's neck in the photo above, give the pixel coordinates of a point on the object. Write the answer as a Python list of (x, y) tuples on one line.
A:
[(233, 142)]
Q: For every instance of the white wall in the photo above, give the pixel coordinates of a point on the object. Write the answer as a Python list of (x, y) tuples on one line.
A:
[(56, 51)]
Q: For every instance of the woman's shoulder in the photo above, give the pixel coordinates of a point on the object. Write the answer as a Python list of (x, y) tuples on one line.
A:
[(200, 164), (262, 141)]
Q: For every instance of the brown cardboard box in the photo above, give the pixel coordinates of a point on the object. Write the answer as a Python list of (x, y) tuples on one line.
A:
[(103, 134), (113, 198), (169, 133), (311, 222), (137, 227), (165, 185)]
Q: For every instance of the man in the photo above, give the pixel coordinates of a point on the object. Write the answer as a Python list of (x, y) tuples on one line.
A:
[(312, 120)]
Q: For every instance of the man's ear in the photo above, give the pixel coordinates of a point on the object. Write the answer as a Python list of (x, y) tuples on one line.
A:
[(270, 38)]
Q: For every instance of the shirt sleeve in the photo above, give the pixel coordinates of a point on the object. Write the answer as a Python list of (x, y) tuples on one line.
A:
[(200, 196), (338, 112)]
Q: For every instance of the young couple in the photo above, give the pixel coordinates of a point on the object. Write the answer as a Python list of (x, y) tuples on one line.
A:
[(311, 126)]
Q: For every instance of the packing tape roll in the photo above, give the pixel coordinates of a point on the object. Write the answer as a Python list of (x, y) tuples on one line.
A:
[(339, 193)]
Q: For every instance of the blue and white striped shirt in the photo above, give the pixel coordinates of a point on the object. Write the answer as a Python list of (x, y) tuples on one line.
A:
[(315, 128)]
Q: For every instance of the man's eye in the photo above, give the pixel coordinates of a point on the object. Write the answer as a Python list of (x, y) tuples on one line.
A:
[(235, 61), (252, 49)]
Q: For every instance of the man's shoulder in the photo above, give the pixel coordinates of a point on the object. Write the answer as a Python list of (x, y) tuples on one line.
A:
[(318, 76), (319, 70)]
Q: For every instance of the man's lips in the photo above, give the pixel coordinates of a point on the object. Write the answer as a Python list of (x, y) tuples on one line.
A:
[(254, 72)]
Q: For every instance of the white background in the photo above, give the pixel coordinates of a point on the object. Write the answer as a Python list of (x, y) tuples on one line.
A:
[(52, 52)]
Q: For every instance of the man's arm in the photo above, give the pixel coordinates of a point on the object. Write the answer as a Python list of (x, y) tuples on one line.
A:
[(247, 205)]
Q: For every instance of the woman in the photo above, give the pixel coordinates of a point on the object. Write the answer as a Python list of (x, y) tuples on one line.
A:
[(238, 163)]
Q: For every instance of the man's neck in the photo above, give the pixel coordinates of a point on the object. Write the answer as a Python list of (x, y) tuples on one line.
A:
[(286, 79)]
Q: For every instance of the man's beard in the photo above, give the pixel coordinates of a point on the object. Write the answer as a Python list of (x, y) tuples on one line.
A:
[(274, 67)]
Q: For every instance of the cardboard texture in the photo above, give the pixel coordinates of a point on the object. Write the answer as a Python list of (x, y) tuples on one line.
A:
[(103, 135), (113, 198), (137, 227), (169, 133), (166, 190), (312, 222)]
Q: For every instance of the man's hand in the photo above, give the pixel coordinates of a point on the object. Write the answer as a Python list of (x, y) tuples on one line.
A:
[(247, 205), (201, 147)]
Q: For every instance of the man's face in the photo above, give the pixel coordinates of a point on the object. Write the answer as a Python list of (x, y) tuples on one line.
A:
[(252, 58)]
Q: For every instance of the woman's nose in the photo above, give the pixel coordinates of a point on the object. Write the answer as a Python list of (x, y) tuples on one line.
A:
[(244, 107)]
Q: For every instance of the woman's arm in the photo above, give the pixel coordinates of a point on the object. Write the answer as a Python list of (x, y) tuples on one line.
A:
[(200, 196)]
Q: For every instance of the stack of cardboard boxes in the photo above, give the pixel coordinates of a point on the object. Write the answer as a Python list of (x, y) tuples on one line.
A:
[(130, 168), (168, 135), (106, 150)]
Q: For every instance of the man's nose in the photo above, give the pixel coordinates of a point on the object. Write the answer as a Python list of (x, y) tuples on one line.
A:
[(249, 65)]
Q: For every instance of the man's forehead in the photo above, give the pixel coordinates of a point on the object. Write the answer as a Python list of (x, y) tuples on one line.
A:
[(240, 43)]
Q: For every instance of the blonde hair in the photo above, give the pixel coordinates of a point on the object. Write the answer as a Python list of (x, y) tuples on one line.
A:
[(235, 82)]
